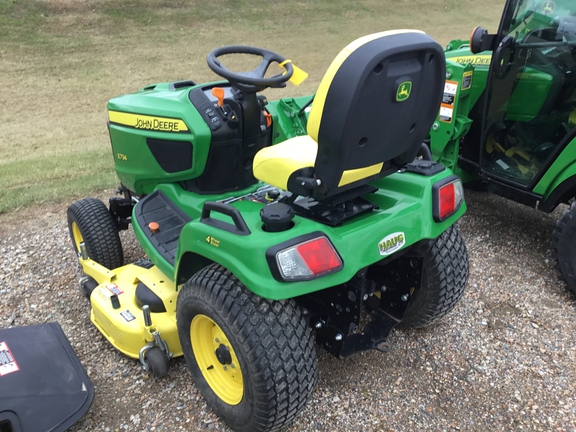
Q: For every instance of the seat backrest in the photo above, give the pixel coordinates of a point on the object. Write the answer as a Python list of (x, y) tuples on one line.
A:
[(374, 107)]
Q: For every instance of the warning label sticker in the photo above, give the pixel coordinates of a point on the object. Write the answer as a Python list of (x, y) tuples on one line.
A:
[(466, 80), (446, 114), (448, 99), (110, 290), (7, 361), (449, 92), (114, 289), (105, 292), (127, 315)]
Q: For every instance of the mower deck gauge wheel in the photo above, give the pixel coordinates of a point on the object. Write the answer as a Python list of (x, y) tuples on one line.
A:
[(157, 362)]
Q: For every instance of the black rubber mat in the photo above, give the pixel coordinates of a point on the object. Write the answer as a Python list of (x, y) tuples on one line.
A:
[(157, 207)]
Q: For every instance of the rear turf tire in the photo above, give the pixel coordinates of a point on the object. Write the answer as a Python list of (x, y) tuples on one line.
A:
[(564, 247), (221, 323), (444, 279), (89, 221)]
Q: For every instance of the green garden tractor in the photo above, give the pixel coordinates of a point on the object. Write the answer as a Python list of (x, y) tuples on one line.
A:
[(507, 120), (265, 223)]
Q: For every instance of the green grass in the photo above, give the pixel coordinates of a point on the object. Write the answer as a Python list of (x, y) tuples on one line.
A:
[(61, 60)]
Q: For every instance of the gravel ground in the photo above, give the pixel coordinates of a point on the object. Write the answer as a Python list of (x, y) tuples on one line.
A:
[(504, 359)]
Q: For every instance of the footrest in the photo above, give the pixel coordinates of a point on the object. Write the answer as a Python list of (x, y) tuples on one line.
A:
[(158, 208)]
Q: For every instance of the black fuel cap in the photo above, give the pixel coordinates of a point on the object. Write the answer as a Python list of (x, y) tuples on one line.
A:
[(277, 217)]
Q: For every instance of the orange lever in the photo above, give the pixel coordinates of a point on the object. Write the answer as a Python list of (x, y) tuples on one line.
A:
[(219, 93), (268, 118)]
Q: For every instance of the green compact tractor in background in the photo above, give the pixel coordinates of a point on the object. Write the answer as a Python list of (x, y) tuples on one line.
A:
[(265, 223), (508, 115)]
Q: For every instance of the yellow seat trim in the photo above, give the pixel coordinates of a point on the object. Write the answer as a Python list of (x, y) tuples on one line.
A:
[(275, 164), (315, 116), (350, 176)]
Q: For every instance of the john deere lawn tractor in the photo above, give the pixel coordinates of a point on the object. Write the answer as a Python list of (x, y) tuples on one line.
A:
[(267, 223), (508, 114)]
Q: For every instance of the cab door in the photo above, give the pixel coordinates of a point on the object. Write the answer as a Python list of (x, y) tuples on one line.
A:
[(529, 113)]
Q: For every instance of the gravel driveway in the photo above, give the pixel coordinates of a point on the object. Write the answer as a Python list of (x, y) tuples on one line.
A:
[(504, 359)]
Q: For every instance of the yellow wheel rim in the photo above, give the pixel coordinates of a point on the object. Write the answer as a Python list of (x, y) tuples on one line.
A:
[(216, 359), (77, 236)]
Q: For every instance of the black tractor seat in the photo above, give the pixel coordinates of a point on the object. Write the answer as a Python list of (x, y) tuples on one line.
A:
[(371, 113)]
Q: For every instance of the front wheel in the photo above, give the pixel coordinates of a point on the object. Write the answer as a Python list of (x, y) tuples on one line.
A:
[(444, 278), (90, 222), (564, 247), (252, 359)]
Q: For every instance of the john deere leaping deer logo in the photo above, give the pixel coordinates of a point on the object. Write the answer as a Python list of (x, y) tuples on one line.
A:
[(403, 91), (548, 7)]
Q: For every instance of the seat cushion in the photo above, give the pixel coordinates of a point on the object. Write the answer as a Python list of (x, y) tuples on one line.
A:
[(275, 164)]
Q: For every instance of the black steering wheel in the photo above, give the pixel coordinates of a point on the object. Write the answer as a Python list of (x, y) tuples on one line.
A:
[(253, 81)]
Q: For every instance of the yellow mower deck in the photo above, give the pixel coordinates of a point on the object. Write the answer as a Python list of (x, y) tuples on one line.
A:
[(124, 325)]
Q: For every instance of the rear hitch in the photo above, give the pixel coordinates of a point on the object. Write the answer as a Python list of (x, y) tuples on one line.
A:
[(382, 290)]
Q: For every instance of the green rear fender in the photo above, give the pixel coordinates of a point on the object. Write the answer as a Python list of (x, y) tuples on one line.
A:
[(560, 179), (405, 206), (562, 171)]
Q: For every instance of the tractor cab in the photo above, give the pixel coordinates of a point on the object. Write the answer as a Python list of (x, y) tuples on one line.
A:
[(507, 122), (528, 114)]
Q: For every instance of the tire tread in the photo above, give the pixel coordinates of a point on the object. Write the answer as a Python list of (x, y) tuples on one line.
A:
[(98, 230), (564, 247), (445, 277), (286, 376)]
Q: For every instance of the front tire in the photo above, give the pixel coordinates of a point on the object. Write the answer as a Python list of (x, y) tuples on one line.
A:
[(252, 359), (89, 221), (564, 247), (444, 279)]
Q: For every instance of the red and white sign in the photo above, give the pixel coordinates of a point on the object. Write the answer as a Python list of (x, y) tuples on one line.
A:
[(7, 362)]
